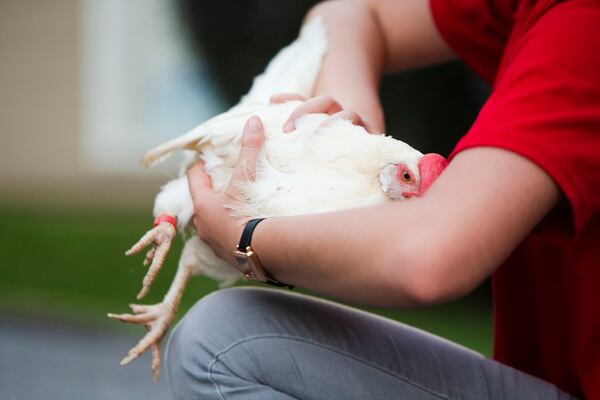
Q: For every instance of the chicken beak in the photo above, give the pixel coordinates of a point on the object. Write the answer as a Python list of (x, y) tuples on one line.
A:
[(431, 166)]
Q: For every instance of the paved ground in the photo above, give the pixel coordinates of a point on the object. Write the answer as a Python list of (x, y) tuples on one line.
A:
[(44, 359)]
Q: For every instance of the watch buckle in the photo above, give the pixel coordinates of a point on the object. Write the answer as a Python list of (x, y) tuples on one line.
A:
[(251, 266)]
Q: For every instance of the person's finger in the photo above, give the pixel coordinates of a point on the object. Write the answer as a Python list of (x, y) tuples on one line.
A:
[(352, 117), (252, 140), (284, 97), (199, 181), (320, 104), (347, 115)]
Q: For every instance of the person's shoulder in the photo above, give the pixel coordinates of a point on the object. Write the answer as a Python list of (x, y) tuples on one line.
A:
[(567, 31)]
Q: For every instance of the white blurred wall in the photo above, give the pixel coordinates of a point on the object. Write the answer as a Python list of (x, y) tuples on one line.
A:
[(55, 105)]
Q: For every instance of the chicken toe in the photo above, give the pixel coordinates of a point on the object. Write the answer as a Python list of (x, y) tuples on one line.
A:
[(157, 319), (161, 237)]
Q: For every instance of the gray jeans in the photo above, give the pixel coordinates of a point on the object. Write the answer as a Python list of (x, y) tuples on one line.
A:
[(271, 344)]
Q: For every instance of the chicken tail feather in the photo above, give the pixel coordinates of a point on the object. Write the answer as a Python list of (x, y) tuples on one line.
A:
[(161, 153)]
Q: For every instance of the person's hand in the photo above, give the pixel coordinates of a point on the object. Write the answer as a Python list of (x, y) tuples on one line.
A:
[(320, 104), (212, 217)]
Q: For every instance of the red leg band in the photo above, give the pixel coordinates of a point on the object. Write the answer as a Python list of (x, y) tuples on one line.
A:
[(165, 218)]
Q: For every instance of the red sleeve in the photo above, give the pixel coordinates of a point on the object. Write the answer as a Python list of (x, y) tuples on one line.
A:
[(546, 103), (476, 29)]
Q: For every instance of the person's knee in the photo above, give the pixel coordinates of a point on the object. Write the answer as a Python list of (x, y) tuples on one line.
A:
[(203, 325), (224, 314), (213, 324)]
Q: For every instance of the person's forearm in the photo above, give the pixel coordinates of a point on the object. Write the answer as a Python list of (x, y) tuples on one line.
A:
[(367, 38), (354, 61), (339, 254)]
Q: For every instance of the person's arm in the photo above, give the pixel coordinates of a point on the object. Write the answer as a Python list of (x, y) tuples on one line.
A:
[(404, 253), (419, 251), (367, 38)]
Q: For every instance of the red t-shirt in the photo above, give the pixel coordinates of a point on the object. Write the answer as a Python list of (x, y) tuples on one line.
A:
[(542, 58)]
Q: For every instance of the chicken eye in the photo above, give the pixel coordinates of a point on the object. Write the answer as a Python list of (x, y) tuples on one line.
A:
[(406, 177)]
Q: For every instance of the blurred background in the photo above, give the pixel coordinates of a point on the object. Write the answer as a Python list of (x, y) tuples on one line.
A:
[(86, 87)]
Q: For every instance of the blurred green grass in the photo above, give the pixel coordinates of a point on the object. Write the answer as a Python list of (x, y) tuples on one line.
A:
[(70, 264)]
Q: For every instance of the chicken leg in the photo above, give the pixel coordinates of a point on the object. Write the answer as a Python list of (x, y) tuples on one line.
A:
[(158, 317), (160, 237)]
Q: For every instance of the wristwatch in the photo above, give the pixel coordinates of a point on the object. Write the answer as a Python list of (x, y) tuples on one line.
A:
[(248, 260)]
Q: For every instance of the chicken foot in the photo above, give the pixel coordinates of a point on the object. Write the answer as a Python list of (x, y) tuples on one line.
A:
[(156, 318), (161, 237)]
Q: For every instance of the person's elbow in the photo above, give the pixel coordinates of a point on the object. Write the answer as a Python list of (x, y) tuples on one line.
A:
[(427, 272)]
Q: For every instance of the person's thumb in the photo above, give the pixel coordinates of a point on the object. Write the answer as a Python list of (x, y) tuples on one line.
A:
[(199, 182), (252, 140)]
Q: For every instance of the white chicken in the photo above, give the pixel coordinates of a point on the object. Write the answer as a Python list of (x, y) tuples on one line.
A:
[(316, 168)]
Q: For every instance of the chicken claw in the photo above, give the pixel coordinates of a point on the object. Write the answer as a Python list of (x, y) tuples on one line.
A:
[(156, 318), (161, 237)]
